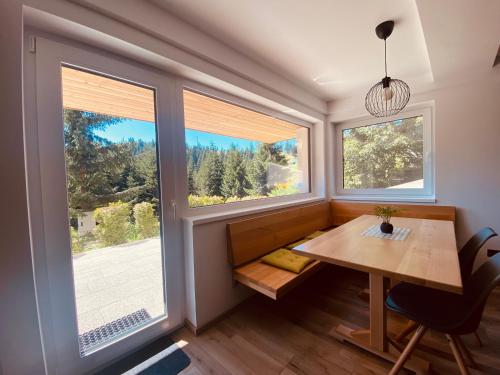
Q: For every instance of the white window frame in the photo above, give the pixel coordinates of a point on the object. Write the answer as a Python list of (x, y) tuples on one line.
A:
[(250, 204), (426, 194)]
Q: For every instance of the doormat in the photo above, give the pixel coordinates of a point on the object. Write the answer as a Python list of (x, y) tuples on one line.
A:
[(161, 357), (91, 339)]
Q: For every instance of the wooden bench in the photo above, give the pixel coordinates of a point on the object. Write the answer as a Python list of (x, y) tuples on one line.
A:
[(250, 239)]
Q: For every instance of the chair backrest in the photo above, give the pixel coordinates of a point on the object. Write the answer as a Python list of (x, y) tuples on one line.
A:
[(476, 292), (252, 238), (468, 253)]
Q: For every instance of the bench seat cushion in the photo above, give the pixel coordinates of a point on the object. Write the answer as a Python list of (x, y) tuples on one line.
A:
[(285, 259), (269, 280)]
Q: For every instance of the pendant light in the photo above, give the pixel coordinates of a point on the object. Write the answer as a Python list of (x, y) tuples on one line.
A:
[(389, 96)]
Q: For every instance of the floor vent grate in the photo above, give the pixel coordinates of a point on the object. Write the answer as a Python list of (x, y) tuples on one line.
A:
[(89, 340)]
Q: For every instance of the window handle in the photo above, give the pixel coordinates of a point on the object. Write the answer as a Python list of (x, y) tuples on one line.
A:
[(174, 208)]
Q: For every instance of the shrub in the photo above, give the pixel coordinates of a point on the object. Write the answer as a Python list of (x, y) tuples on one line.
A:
[(246, 198), (113, 223), (146, 222), (76, 241), (283, 189), (204, 200)]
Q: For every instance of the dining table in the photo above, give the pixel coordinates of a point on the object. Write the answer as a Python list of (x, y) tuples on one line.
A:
[(420, 251)]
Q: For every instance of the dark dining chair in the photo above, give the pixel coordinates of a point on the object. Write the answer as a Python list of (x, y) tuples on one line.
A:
[(466, 257), (448, 313)]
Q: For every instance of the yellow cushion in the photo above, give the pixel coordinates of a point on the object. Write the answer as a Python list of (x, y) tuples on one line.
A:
[(285, 259), (315, 234), (295, 244)]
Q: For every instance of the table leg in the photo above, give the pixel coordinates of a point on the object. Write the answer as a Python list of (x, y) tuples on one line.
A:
[(374, 339), (378, 319)]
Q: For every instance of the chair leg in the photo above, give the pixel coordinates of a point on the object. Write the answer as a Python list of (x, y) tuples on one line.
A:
[(458, 355), (478, 339), (408, 350), (465, 351), (410, 327)]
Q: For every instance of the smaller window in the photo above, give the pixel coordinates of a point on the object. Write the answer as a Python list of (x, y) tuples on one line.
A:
[(237, 154), (390, 158)]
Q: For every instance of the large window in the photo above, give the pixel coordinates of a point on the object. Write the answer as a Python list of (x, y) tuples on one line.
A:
[(386, 158), (236, 154)]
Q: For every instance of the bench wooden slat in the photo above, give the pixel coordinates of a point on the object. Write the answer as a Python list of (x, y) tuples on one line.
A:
[(271, 281), (343, 211)]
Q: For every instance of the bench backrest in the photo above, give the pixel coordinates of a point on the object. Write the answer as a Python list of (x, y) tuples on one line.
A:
[(342, 211), (252, 238)]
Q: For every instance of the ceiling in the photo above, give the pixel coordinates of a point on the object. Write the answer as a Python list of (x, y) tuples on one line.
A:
[(327, 46)]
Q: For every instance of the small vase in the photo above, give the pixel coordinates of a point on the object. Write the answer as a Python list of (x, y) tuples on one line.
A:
[(386, 228)]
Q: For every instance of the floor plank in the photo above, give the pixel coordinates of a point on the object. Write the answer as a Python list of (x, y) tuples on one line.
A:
[(291, 336)]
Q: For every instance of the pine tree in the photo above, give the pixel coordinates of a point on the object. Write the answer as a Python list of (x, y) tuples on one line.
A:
[(259, 171), (191, 177), (209, 177), (91, 161), (235, 181)]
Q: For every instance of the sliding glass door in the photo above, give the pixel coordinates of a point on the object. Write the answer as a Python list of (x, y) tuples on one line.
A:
[(110, 267)]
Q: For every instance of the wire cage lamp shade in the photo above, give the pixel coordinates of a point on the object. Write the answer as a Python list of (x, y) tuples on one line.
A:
[(389, 96)]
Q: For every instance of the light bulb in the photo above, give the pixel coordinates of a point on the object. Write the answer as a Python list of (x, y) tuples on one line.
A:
[(388, 93)]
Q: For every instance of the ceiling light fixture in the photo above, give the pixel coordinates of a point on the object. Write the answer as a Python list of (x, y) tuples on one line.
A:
[(389, 96)]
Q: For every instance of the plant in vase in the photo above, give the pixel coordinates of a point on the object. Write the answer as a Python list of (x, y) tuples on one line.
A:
[(386, 213)]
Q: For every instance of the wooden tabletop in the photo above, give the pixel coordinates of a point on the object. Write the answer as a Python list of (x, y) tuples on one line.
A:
[(428, 256)]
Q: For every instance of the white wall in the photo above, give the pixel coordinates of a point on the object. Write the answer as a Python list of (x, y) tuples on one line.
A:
[(467, 141), (214, 289), (20, 345)]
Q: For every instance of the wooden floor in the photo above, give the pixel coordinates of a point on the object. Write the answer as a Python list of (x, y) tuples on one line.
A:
[(291, 336)]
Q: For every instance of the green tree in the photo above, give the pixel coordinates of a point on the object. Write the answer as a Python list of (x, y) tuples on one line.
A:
[(210, 174), (113, 223), (92, 162), (146, 223), (380, 156), (234, 182)]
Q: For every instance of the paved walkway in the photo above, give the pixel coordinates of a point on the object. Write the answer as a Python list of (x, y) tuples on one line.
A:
[(118, 280)]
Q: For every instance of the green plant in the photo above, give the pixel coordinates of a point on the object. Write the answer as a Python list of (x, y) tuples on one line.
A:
[(204, 200), (386, 212), (113, 223), (283, 189), (146, 222), (77, 244)]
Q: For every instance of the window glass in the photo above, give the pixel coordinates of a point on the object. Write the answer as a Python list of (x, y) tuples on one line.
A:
[(388, 155), (113, 188), (235, 154)]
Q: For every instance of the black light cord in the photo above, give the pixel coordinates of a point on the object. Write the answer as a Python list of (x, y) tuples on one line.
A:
[(385, 56)]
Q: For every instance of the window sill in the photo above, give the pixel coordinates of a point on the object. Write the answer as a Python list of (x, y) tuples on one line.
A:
[(385, 198), (218, 216)]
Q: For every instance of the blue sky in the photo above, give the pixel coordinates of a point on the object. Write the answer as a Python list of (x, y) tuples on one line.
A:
[(128, 128)]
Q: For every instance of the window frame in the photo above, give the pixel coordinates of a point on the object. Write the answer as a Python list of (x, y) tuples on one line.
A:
[(252, 106), (418, 195)]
